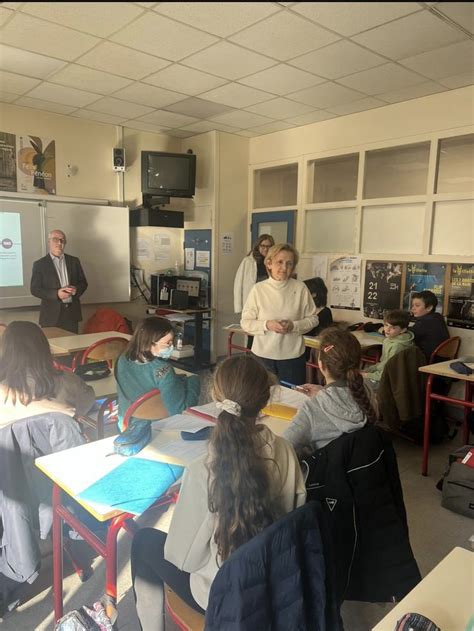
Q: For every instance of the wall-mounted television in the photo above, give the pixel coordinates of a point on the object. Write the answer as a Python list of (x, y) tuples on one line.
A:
[(168, 174)]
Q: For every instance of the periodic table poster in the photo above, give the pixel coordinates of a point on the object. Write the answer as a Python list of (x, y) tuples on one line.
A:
[(382, 288), (461, 296), (425, 276)]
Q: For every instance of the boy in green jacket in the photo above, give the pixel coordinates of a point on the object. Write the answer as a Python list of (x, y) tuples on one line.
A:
[(397, 338)]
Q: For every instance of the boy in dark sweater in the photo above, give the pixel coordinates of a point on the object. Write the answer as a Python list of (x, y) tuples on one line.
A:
[(430, 327)]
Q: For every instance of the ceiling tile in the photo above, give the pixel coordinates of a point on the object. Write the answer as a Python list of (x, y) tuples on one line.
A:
[(409, 36), (236, 95), (198, 108), (460, 12), (458, 81), (5, 14), (280, 108), (61, 94), (46, 38), (38, 104), (338, 60), (314, 117), (413, 92), (180, 133), (154, 129), (24, 62), (98, 116), (7, 97), (368, 103), (95, 18), (443, 62), (239, 118), (283, 36), (160, 36), (89, 79), (247, 133), (228, 60), (148, 95), (348, 18), (170, 119), (381, 79), (121, 60), (15, 83), (183, 79), (281, 79), (325, 95), (219, 18), (203, 126), (109, 105), (272, 127)]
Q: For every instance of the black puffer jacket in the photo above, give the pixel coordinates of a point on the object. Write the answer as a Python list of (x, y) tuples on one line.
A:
[(356, 479)]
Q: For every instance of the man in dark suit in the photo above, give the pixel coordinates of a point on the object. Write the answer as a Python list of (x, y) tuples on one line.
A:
[(58, 279)]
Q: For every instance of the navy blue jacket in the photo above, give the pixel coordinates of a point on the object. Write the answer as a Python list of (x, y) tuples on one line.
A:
[(277, 581)]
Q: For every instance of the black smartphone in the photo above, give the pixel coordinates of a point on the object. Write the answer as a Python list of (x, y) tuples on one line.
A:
[(202, 434)]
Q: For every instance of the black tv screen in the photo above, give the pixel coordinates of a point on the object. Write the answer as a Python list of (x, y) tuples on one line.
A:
[(168, 174)]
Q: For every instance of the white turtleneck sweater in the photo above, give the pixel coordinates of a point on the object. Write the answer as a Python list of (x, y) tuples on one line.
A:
[(279, 300)]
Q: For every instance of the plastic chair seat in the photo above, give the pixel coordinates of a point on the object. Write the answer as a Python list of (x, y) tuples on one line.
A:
[(185, 617)]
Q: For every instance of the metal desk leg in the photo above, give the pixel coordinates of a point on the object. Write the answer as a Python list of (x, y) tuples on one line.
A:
[(197, 340), (57, 555), (426, 431)]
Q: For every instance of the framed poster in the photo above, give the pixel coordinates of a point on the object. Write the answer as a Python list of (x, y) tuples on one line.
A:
[(461, 296), (36, 165), (422, 276), (382, 288)]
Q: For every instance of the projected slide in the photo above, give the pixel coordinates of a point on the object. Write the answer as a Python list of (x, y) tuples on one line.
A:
[(11, 261)]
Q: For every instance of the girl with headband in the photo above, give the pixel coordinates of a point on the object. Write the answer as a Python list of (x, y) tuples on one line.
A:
[(246, 481), (344, 405)]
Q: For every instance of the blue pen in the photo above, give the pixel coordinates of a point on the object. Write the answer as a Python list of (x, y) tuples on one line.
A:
[(288, 384)]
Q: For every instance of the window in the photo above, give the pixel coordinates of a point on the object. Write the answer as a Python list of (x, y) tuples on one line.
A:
[(330, 230), (456, 165), (276, 186), (334, 179)]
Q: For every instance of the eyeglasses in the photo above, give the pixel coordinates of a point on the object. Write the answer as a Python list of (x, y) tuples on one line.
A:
[(264, 246), (58, 240)]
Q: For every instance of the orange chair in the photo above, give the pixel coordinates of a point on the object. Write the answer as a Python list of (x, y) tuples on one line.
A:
[(110, 348), (184, 617), (447, 350)]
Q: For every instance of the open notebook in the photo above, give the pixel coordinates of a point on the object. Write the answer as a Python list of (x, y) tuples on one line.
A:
[(284, 403)]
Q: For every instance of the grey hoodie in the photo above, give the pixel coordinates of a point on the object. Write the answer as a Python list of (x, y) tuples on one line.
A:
[(323, 418)]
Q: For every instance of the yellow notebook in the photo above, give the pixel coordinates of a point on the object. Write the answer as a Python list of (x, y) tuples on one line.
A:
[(280, 410)]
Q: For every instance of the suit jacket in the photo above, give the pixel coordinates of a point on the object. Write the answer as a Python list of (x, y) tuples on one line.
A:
[(45, 284)]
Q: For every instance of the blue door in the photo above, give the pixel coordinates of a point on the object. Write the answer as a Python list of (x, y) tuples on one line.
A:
[(279, 223)]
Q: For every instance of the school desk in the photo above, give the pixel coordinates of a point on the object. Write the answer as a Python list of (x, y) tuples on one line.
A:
[(54, 331), (444, 595), (73, 343), (74, 470), (443, 370)]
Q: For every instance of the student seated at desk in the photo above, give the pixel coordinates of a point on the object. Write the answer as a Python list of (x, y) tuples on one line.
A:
[(29, 383), (344, 405), (145, 365), (430, 327), (319, 292), (397, 338), (247, 480)]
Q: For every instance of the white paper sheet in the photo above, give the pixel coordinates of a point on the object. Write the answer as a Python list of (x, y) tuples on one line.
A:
[(295, 399), (182, 422)]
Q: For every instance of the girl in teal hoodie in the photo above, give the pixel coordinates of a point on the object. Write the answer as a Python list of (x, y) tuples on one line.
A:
[(397, 338), (145, 365)]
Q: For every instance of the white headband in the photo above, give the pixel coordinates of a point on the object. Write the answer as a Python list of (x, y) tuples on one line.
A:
[(229, 406)]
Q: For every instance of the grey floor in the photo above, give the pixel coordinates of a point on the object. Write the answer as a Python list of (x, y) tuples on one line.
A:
[(434, 532)]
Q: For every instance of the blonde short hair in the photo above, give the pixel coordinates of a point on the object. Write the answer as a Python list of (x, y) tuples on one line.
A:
[(282, 247)]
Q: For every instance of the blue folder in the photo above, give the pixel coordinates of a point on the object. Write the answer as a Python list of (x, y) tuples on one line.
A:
[(134, 485)]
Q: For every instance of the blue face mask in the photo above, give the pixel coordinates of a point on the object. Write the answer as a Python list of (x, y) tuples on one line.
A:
[(166, 352)]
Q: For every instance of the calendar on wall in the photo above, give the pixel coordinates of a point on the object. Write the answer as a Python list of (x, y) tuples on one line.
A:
[(382, 287)]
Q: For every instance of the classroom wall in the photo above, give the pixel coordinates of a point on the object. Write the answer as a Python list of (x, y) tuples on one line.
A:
[(407, 122)]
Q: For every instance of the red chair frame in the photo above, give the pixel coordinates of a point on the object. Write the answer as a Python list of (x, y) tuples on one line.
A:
[(136, 404), (438, 350), (81, 358)]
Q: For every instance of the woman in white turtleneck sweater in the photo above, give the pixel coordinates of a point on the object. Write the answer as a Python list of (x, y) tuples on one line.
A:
[(278, 311)]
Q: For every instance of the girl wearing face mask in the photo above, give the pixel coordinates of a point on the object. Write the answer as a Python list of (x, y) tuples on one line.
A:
[(145, 365)]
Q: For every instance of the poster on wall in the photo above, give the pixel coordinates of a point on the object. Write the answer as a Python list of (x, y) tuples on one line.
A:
[(424, 276), (7, 162), (344, 282), (461, 296), (36, 165), (382, 288)]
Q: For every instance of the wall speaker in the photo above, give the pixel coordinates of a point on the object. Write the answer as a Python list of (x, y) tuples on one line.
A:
[(119, 159)]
